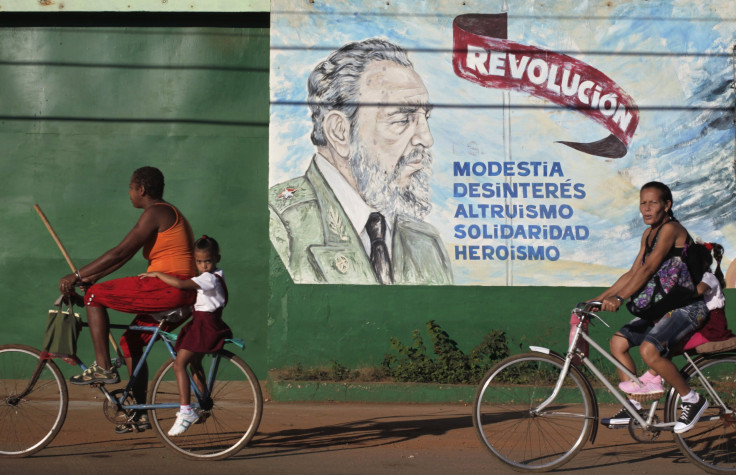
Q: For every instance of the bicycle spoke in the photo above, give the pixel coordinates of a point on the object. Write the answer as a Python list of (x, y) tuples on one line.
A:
[(711, 444), (507, 422), (225, 427)]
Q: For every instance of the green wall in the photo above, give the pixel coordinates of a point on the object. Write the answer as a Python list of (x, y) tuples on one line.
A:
[(81, 107)]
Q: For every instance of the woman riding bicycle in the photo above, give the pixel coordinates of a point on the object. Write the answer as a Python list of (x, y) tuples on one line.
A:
[(664, 238), (167, 241)]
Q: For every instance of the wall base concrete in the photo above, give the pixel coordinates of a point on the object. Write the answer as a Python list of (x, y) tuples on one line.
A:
[(325, 391)]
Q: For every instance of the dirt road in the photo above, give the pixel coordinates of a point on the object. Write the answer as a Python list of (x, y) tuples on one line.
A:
[(330, 438)]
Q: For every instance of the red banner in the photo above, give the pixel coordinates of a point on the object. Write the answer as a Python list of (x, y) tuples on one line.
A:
[(483, 55)]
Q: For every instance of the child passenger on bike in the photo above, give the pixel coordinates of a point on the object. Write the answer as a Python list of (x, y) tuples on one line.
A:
[(206, 332), (663, 238), (711, 288)]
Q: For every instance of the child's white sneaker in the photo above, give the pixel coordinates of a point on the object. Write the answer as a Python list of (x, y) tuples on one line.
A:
[(183, 421)]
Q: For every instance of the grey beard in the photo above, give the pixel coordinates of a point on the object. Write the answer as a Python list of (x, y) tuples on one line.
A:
[(383, 192)]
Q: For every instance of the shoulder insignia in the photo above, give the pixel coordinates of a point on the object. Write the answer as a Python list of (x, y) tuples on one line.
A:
[(290, 193), (286, 194)]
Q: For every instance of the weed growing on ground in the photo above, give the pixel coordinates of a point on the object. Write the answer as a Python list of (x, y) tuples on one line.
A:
[(412, 363), (335, 372)]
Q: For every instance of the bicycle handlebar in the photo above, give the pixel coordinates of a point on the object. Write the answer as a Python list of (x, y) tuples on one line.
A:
[(586, 309), (589, 306)]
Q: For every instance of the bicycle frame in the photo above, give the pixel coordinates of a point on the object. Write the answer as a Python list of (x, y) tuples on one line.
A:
[(35, 417), (571, 353), (704, 381), (615, 391), (167, 338)]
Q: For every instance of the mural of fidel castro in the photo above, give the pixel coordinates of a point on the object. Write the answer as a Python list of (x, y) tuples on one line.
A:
[(370, 113)]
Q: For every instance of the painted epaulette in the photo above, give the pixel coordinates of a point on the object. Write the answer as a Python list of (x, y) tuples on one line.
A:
[(290, 193)]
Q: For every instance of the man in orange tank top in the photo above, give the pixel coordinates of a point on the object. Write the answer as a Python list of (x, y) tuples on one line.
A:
[(167, 240)]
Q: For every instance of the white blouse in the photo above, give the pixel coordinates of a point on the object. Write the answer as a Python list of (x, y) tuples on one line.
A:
[(210, 295)]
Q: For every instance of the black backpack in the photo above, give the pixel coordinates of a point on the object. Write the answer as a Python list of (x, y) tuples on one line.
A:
[(696, 255)]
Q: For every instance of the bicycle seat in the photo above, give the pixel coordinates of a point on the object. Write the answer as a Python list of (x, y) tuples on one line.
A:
[(174, 315), (716, 346)]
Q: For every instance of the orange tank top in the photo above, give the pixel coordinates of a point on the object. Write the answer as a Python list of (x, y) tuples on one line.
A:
[(171, 251)]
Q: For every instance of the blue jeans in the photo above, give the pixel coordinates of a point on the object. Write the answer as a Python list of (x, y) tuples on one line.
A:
[(669, 330)]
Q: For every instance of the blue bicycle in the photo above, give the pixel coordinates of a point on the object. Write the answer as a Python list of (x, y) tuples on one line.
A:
[(34, 399)]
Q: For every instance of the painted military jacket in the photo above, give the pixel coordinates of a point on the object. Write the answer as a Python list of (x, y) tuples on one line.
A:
[(318, 244)]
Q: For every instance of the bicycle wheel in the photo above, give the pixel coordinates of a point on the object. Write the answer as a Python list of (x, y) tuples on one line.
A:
[(711, 444), (29, 422), (507, 421), (227, 422)]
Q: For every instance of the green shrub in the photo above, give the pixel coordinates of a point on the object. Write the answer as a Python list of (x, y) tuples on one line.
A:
[(413, 363), (450, 365)]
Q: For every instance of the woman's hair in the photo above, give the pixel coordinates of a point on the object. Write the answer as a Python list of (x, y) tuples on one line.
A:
[(206, 243), (664, 191), (152, 180), (717, 251)]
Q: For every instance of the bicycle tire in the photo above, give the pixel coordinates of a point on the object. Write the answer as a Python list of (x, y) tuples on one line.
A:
[(226, 427), (507, 427), (30, 423), (711, 444)]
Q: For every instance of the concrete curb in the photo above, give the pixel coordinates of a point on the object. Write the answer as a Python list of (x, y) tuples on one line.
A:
[(320, 391), (325, 391)]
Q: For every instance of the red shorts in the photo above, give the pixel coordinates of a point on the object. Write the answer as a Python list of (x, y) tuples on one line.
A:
[(136, 295), (140, 296)]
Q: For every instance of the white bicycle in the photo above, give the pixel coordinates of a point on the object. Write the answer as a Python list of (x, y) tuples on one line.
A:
[(535, 411)]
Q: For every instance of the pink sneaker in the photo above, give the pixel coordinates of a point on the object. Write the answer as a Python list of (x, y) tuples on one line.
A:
[(649, 391), (628, 386), (631, 385)]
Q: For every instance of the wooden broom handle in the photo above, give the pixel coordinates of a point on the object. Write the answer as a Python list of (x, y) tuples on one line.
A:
[(56, 238), (68, 260)]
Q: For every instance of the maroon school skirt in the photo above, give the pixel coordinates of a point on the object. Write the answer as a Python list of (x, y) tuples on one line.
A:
[(205, 333), (716, 328)]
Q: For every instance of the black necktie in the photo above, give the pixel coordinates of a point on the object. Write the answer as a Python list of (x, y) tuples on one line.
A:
[(376, 229)]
